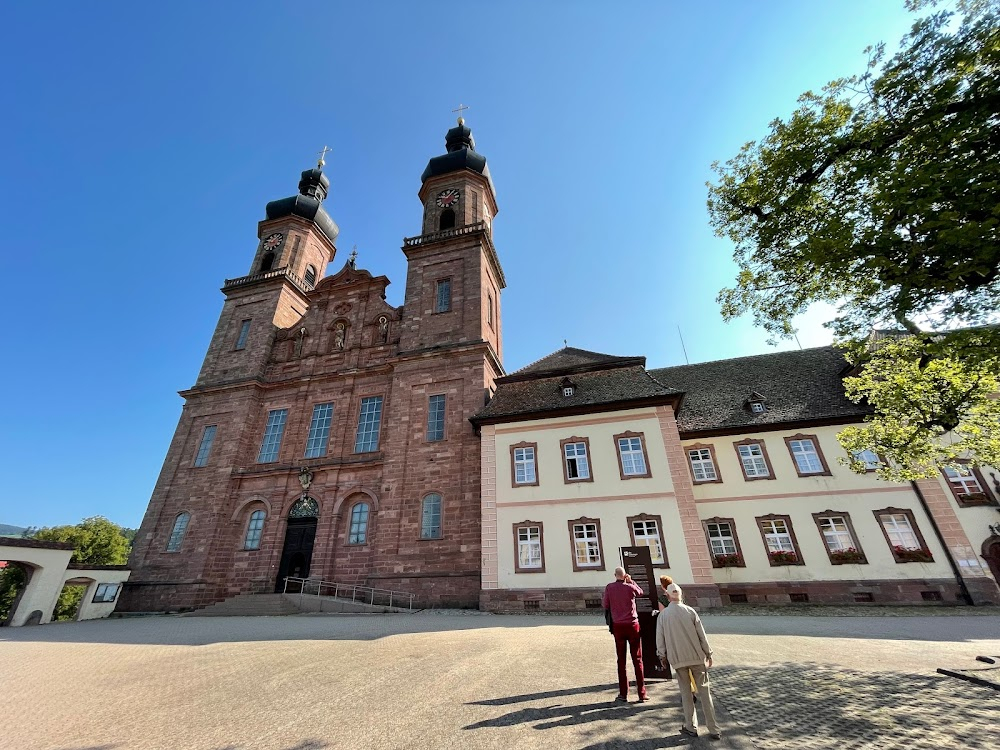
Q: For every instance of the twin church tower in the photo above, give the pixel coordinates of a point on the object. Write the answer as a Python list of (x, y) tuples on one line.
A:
[(328, 433)]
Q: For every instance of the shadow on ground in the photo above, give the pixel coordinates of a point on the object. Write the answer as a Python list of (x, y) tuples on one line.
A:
[(304, 745)]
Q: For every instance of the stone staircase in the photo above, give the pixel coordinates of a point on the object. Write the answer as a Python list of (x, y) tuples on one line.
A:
[(249, 605)]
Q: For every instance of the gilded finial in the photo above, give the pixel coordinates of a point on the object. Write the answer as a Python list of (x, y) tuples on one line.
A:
[(461, 120), (322, 157)]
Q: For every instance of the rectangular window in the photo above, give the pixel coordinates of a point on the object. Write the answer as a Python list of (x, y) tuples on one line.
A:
[(702, 465), (489, 310), (524, 464), (721, 537), (586, 546), (272, 436), (646, 533), (806, 455), (430, 517), (869, 458), (900, 531), (836, 534), (779, 540), (205, 448), (753, 459), (442, 296), (777, 537), (632, 455), (435, 418), (369, 423), (241, 341), (962, 480), (106, 592), (575, 463), (528, 540), (319, 430)]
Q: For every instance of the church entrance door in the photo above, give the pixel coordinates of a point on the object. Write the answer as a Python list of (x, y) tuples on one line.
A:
[(297, 552)]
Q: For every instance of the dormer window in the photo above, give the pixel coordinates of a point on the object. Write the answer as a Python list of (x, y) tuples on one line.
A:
[(755, 402), (757, 407)]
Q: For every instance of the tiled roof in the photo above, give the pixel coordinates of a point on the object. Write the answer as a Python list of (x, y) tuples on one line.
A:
[(617, 385), (797, 386), (570, 358)]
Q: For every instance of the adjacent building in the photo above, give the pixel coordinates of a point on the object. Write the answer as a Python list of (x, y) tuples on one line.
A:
[(729, 472)]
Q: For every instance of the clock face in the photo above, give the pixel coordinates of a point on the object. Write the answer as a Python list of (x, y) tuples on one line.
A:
[(273, 241), (448, 198)]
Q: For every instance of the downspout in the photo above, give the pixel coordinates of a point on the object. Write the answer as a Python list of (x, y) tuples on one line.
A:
[(947, 552)]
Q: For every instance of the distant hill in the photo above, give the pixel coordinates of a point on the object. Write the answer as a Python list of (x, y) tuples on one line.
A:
[(8, 530)]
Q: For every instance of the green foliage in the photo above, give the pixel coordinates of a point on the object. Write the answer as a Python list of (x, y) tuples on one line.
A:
[(926, 414), (12, 578), (96, 541), (879, 195)]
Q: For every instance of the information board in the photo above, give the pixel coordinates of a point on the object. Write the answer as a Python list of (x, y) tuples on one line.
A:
[(639, 565)]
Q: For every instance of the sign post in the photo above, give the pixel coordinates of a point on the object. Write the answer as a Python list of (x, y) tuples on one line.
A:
[(639, 565)]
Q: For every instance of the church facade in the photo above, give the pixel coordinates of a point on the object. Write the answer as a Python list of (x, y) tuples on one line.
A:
[(327, 433)]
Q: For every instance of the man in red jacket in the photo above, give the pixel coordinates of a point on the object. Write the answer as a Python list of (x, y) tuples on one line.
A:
[(619, 597)]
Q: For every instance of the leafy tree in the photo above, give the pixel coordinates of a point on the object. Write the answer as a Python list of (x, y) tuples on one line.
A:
[(880, 195), (96, 541)]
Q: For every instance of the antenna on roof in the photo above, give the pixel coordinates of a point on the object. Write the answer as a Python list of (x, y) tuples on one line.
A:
[(681, 335), (796, 335)]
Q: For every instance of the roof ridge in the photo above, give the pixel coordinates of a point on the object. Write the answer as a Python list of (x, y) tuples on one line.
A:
[(748, 356)]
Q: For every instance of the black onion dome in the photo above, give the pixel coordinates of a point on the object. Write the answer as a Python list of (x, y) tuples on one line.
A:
[(462, 154), (313, 189)]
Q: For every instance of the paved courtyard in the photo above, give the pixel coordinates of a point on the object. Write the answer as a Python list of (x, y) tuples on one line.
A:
[(470, 680)]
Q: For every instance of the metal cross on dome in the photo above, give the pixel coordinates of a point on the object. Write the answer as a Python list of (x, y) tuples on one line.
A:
[(354, 256), (322, 156), (461, 107)]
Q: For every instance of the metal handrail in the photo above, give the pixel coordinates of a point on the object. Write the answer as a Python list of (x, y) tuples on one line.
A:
[(367, 592)]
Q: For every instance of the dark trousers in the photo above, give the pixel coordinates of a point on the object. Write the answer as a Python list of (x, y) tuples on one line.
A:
[(627, 633)]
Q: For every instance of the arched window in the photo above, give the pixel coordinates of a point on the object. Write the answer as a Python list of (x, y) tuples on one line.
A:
[(266, 262), (430, 517), (447, 220), (177, 533), (358, 533), (310, 275), (254, 530)]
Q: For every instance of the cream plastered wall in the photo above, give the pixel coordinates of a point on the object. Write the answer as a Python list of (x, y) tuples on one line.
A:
[(89, 609), (609, 498), (46, 582), (800, 497)]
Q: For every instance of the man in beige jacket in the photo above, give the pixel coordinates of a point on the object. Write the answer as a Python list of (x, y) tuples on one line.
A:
[(680, 637)]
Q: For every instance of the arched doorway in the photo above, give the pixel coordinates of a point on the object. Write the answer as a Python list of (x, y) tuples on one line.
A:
[(300, 535), (991, 553)]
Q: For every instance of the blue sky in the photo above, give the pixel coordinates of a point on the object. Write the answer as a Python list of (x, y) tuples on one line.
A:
[(141, 144)]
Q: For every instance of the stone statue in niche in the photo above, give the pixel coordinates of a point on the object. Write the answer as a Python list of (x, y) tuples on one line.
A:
[(299, 340), (383, 329), (339, 334)]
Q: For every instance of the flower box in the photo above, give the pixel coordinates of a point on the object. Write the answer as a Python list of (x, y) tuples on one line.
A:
[(974, 498), (783, 557), (848, 555), (912, 554), (729, 561)]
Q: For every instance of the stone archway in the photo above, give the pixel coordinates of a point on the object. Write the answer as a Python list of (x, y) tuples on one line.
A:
[(991, 553), (15, 578)]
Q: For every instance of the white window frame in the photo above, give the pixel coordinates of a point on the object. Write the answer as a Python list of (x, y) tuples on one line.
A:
[(524, 464), (837, 539), (529, 547), (806, 456), (586, 539), (897, 532), (646, 538), (963, 480), (577, 461), (869, 458), (105, 593), (632, 456), (724, 540), (754, 464), (777, 538), (702, 465)]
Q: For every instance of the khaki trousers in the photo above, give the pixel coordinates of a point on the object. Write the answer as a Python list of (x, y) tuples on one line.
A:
[(699, 676)]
